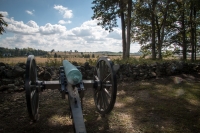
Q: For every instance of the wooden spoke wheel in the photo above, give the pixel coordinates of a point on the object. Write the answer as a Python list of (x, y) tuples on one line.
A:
[(106, 86), (32, 94)]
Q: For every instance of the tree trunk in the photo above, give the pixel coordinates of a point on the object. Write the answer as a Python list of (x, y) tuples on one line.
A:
[(192, 31), (159, 39), (162, 28), (184, 46), (195, 37), (128, 29), (123, 29), (153, 45)]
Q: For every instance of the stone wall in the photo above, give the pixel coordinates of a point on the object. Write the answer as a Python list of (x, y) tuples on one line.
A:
[(12, 77), (147, 71)]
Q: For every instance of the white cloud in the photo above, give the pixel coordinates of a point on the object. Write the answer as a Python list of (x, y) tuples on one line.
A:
[(29, 12), (64, 11), (81, 31), (5, 14), (19, 27), (33, 24), (62, 22), (116, 34), (87, 37), (52, 29)]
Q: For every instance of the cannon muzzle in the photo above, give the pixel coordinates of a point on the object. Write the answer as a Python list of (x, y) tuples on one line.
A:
[(73, 75)]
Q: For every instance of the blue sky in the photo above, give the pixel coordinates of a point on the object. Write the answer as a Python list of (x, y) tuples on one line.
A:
[(62, 25)]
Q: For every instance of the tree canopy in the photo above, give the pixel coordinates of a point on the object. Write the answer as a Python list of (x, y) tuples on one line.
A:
[(159, 26), (2, 24), (107, 12)]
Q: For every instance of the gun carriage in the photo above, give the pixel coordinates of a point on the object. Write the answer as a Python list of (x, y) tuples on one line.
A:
[(71, 84)]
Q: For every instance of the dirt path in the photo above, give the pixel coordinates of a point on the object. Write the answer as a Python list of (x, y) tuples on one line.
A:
[(169, 104)]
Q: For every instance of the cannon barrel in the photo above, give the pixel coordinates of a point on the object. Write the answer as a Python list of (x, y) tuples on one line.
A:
[(104, 87), (73, 75)]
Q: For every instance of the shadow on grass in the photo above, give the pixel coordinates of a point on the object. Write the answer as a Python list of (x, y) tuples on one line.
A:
[(53, 114), (157, 105), (163, 106)]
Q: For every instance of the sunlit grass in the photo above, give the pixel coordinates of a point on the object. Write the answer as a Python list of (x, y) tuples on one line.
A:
[(59, 120)]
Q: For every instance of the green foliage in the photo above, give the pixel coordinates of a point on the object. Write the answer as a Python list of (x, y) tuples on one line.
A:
[(23, 52), (173, 24), (145, 49), (52, 50), (93, 56), (92, 62), (106, 12), (125, 61), (2, 23), (136, 61), (167, 53), (54, 62), (86, 56), (55, 55)]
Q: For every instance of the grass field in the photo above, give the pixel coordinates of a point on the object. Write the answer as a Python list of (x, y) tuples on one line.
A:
[(41, 60)]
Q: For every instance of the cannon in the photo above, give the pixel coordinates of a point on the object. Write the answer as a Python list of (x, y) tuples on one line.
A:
[(71, 84)]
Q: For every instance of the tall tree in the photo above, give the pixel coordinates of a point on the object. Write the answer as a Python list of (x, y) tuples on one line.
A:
[(161, 23), (144, 27), (192, 29), (2, 23), (127, 53), (122, 7), (183, 31), (153, 41), (194, 9), (107, 11)]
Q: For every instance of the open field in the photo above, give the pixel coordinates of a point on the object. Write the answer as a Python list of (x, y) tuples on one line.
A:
[(163, 105), (40, 60)]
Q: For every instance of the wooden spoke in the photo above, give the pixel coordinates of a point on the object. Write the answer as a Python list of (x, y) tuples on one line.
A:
[(105, 92), (32, 95)]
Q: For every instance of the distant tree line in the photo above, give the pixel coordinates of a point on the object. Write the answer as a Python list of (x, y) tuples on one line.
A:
[(21, 52), (88, 55)]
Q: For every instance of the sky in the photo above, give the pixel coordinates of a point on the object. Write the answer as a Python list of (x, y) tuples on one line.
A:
[(62, 25)]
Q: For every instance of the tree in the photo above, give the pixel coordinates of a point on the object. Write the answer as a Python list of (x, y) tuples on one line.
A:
[(107, 11), (55, 55), (187, 26), (180, 37), (127, 52), (144, 27), (2, 23), (52, 50), (153, 41), (194, 9), (161, 23), (93, 56), (150, 23)]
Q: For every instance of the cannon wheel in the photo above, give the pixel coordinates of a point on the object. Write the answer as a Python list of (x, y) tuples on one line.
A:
[(106, 87), (32, 94)]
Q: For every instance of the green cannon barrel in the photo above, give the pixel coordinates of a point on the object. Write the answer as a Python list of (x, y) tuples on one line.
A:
[(73, 75)]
